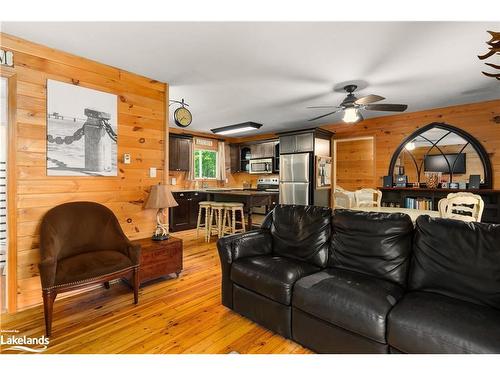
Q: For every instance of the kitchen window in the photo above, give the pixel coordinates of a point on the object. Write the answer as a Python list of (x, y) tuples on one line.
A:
[(205, 164)]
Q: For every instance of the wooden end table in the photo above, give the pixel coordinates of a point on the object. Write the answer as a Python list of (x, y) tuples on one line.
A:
[(159, 258)]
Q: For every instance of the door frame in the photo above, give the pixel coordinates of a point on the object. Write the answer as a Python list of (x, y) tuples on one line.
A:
[(335, 142), (11, 76)]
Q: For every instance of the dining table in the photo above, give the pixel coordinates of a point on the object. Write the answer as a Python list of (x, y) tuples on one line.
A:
[(411, 212)]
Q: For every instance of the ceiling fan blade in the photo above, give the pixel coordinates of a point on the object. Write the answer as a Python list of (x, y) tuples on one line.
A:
[(387, 107), (324, 106), (369, 99), (328, 114)]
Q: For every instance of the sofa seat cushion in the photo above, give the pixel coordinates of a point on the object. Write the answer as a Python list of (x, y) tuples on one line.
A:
[(431, 323), (270, 276), (85, 266), (348, 299)]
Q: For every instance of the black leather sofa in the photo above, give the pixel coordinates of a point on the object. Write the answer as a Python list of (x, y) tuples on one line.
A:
[(361, 282)]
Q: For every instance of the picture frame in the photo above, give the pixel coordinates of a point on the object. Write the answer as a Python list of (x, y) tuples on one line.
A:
[(82, 131), (323, 172)]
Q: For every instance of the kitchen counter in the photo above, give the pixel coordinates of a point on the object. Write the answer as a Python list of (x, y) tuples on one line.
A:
[(204, 190), (249, 198)]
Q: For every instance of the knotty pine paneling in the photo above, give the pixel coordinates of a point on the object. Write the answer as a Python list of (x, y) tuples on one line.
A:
[(478, 119), (141, 132)]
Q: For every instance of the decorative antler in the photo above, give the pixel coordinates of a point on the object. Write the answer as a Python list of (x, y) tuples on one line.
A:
[(494, 48)]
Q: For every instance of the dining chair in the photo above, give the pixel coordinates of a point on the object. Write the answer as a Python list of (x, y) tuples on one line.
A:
[(368, 198), (462, 206), (342, 200)]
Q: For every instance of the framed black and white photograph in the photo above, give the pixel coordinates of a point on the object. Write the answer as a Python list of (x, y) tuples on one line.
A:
[(323, 172), (82, 131)]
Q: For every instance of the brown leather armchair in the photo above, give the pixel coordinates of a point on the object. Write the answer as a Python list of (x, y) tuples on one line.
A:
[(82, 243)]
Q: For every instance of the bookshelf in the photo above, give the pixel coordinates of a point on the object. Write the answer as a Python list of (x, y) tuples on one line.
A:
[(401, 197)]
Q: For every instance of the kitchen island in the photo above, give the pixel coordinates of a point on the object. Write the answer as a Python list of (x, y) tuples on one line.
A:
[(249, 198)]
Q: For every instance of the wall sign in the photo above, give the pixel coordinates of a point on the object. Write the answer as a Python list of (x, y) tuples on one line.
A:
[(6, 58)]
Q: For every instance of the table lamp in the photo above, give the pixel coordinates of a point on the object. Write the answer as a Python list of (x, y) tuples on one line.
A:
[(160, 197)]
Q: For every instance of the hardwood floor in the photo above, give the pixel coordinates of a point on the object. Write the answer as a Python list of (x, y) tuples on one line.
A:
[(181, 315)]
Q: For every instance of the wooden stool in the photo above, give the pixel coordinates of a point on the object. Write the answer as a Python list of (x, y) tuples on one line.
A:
[(215, 221), (229, 224), (204, 205)]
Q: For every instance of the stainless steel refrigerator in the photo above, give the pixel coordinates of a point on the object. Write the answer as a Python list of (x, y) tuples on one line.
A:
[(295, 178)]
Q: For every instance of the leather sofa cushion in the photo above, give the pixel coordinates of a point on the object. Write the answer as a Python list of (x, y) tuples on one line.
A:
[(431, 323), (270, 276), (354, 301), (88, 265), (302, 232), (457, 259), (377, 244)]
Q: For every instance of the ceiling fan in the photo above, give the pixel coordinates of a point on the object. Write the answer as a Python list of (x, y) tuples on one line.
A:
[(352, 106)]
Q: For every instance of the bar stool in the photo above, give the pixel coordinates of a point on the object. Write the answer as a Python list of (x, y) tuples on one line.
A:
[(204, 205), (215, 221), (229, 224)]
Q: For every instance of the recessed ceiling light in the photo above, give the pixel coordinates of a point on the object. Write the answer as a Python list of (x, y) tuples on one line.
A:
[(238, 128)]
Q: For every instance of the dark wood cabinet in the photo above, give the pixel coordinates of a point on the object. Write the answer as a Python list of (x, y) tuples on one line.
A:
[(159, 258), (178, 153), (185, 215), (234, 152), (262, 150), (292, 143)]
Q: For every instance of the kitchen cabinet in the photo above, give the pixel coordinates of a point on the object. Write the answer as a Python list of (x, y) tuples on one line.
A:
[(178, 153), (262, 150), (287, 144), (185, 215), (302, 142), (234, 154)]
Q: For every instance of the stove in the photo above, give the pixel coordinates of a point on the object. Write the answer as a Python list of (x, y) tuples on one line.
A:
[(268, 184), (271, 184)]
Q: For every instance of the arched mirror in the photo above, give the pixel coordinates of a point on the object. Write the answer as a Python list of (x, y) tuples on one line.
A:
[(444, 149)]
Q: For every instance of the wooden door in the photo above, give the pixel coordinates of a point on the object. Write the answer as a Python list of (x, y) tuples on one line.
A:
[(355, 163)]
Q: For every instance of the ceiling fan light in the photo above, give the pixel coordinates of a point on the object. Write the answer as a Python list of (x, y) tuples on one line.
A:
[(351, 115)]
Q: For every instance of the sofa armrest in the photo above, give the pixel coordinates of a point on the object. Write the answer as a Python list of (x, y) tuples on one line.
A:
[(242, 245), (236, 246)]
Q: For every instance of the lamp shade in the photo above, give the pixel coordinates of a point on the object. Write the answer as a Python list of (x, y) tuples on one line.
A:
[(160, 196)]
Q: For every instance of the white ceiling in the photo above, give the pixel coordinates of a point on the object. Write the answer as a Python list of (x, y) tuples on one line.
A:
[(270, 72)]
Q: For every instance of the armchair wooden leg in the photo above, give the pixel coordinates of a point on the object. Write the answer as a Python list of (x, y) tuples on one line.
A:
[(48, 307), (136, 285), (106, 284)]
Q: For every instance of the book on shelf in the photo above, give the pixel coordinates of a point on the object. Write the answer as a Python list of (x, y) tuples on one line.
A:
[(419, 203)]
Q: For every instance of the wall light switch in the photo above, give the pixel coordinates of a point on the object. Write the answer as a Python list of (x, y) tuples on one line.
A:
[(173, 181), (152, 172), (126, 158)]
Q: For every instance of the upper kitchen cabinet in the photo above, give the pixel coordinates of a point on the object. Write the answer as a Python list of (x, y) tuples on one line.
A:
[(301, 141), (262, 150), (179, 148)]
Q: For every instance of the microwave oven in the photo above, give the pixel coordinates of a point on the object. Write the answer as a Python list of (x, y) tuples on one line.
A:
[(261, 166)]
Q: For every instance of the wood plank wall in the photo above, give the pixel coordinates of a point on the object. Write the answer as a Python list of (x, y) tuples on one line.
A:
[(355, 163), (481, 120), (142, 118)]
